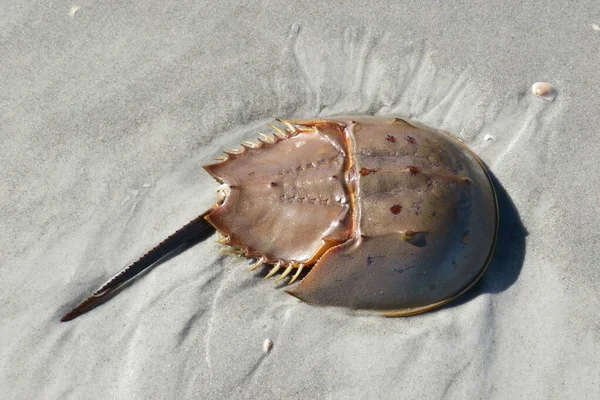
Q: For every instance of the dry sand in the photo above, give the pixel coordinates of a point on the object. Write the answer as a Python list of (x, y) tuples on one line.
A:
[(108, 110)]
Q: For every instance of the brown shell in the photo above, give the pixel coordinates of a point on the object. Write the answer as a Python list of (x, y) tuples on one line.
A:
[(392, 216)]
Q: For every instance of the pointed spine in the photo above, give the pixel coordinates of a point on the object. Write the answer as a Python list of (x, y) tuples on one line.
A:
[(291, 128), (258, 264), (266, 139), (234, 152), (274, 270), (280, 133), (297, 274), (250, 145), (285, 273)]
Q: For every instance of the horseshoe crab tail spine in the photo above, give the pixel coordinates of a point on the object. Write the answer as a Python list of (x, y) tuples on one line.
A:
[(190, 234)]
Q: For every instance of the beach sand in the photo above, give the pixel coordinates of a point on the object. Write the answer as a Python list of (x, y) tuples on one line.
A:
[(108, 110)]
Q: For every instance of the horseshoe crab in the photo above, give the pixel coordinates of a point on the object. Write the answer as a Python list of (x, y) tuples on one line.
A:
[(388, 214)]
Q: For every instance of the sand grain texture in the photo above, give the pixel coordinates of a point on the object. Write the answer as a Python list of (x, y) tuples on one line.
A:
[(109, 109)]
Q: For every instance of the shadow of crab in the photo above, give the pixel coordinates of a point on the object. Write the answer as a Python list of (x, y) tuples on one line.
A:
[(507, 261)]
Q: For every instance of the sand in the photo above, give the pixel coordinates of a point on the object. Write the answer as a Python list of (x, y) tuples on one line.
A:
[(109, 109)]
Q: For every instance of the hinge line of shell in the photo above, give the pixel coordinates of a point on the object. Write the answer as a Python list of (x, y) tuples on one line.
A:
[(351, 180)]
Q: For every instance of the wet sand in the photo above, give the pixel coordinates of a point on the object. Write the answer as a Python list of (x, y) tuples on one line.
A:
[(108, 112)]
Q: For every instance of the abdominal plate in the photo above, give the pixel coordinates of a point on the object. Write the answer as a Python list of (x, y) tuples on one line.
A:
[(288, 201)]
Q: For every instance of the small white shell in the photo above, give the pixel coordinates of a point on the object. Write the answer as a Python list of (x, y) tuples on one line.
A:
[(73, 10), (544, 90), (488, 137), (267, 345)]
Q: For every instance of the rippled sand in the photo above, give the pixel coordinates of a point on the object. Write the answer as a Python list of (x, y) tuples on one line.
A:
[(107, 113)]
